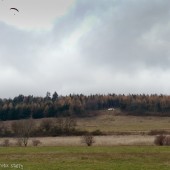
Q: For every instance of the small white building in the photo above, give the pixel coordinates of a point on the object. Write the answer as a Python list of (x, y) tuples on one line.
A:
[(110, 109)]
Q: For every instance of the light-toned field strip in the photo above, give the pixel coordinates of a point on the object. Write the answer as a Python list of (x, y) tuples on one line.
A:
[(120, 123), (99, 140)]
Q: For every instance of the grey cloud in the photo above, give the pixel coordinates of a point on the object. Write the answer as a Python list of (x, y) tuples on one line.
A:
[(124, 33), (19, 48), (99, 46)]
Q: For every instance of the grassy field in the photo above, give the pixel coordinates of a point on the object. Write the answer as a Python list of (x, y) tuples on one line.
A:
[(115, 121), (109, 121), (112, 152), (86, 158)]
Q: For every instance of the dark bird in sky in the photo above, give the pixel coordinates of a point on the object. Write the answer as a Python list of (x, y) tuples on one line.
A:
[(14, 9)]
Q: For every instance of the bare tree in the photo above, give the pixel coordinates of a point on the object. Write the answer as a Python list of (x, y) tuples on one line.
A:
[(67, 125), (88, 139), (4, 129), (22, 130), (46, 125)]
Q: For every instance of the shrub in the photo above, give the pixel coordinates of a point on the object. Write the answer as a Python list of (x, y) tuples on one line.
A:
[(160, 140), (167, 140), (46, 125), (157, 132), (6, 143), (97, 133), (88, 139), (79, 132), (36, 142), (19, 142)]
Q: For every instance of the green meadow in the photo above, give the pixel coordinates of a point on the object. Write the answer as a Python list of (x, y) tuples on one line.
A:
[(85, 158)]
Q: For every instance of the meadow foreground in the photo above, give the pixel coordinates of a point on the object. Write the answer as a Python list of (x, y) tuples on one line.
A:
[(86, 158)]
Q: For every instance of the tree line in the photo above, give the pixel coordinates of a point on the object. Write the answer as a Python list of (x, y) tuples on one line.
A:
[(22, 107)]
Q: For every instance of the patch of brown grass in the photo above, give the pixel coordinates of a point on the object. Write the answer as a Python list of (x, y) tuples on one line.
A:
[(111, 122), (99, 140)]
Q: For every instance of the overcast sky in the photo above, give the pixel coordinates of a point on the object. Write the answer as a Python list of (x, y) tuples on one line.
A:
[(84, 46)]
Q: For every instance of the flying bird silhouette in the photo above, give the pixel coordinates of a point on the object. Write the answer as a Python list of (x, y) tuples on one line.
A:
[(14, 9)]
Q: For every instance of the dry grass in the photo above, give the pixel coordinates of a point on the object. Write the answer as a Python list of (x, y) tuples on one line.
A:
[(114, 121), (111, 122), (99, 140), (124, 140)]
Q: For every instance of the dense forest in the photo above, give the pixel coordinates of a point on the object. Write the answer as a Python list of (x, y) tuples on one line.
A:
[(55, 105)]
